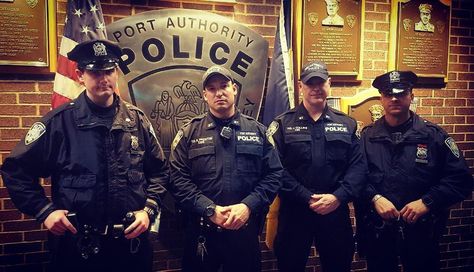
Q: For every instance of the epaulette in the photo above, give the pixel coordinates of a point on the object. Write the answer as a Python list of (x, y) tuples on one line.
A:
[(133, 107), (58, 110)]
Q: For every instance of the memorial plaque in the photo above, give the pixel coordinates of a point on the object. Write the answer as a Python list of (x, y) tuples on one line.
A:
[(24, 33), (423, 37), (331, 33)]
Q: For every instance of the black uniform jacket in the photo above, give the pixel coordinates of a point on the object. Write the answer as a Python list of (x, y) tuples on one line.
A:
[(319, 157), (206, 168), (425, 163), (97, 172)]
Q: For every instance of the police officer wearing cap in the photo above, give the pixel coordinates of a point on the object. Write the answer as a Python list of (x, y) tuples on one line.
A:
[(224, 175), (323, 171), (104, 161), (416, 172)]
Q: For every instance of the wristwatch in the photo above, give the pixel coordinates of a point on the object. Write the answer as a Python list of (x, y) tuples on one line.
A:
[(210, 210), (150, 212)]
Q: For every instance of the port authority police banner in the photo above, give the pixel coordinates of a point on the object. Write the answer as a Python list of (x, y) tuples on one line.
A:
[(167, 52)]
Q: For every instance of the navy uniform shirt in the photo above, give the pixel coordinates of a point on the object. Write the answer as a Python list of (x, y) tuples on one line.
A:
[(423, 162), (207, 168), (322, 156)]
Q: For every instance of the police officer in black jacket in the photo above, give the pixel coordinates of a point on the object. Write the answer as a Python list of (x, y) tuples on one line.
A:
[(416, 172), (323, 170), (224, 175), (104, 161)]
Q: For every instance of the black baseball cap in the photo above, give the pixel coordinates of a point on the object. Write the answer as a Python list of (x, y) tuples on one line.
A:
[(395, 82), (96, 55), (216, 70), (314, 69)]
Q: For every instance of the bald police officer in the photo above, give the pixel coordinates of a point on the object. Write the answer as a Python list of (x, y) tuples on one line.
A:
[(416, 172), (224, 174), (104, 162)]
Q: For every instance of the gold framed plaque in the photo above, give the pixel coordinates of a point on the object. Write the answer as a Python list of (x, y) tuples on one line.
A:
[(27, 36), (420, 37), (332, 31)]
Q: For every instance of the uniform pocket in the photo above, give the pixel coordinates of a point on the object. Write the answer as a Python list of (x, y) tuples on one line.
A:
[(203, 160), (249, 157), (77, 191), (337, 146), (298, 148)]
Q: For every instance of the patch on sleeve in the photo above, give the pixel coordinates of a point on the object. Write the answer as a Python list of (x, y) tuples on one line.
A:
[(35, 132), (176, 139), (452, 146), (272, 128)]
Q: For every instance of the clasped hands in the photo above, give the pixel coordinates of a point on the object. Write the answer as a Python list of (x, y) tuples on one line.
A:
[(231, 217), (410, 213)]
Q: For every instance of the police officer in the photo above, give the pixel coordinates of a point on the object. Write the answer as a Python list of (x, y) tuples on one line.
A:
[(224, 174), (323, 170), (416, 172), (104, 161)]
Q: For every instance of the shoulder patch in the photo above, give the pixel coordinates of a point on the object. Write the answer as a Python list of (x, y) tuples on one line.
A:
[(272, 128), (176, 139), (35, 132), (452, 146)]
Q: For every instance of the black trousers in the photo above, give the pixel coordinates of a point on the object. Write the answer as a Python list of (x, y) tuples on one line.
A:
[(114, 254), (227, 250), (299, 227), (418, 248)]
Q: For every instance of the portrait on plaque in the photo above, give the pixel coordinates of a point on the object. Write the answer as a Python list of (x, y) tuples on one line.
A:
[(422, 39), (332, 34), (333, 19), (425, 17)]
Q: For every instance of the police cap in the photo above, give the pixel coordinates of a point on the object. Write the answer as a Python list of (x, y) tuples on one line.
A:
[(314, 69), (215, 70), (96, 55), (395, 82)]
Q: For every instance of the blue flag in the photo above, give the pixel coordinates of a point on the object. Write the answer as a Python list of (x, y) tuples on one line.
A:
[(280, 88)]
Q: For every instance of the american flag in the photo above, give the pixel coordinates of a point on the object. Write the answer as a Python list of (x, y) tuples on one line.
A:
[(84, 21)]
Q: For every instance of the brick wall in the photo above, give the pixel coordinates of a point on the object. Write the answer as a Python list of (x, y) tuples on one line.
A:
[(22, 102)]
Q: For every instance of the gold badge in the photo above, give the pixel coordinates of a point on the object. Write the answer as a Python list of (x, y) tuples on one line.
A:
[(134, 142)]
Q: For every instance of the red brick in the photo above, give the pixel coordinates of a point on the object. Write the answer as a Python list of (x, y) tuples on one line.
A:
[(458, 67), (369, 6), (164, 4), (382, 26), (21, 225), (465, 111), (16, 87), (17, 110), (11, 134), (27, 122), (197, 6), (7, 145), (36, 235), (271, 20), (8, 99), (9, 121), (260, 9), (10, 215), (375, 55), (456, 85), (454, 119), (464, 128), (423, 92), (44, 109), (459, 49), (465, 93), (376, 16), (443, 110), (466, 59), (249, 19), (383, 8), (376, 36), (10, 237), (35, 98), (455, 102), (225, 8), (369, 26), (431, 102), (116, 10)]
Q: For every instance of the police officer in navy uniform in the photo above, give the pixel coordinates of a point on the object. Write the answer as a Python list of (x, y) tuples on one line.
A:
[(323, 171), (416, 172), (224, 175), (104, 161)]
